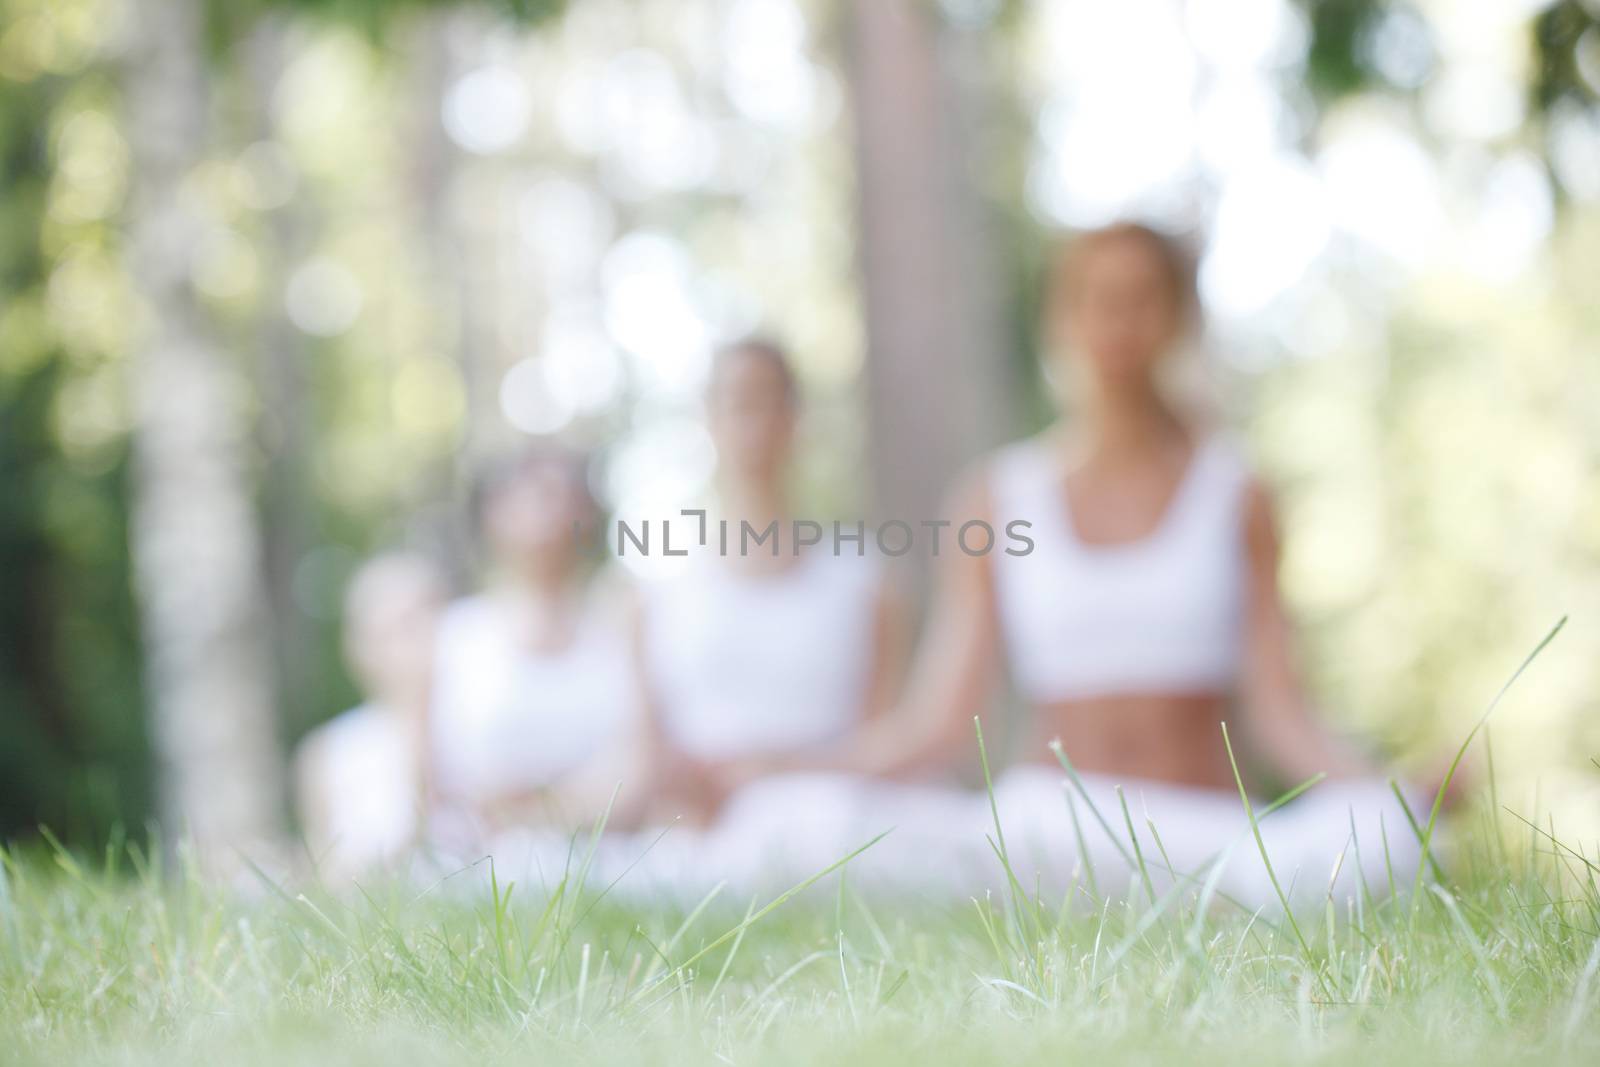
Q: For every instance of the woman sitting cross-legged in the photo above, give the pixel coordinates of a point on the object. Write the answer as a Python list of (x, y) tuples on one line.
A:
[(359, 778), (533, 697), (1146, 615)]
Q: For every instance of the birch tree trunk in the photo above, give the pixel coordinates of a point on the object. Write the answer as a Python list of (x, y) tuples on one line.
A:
[(194, 539), (284, 432)]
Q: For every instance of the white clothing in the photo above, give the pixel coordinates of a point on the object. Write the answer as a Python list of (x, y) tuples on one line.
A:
[(777, 833), (746, 664), (506, 718), (1160, 614), (360, 772)]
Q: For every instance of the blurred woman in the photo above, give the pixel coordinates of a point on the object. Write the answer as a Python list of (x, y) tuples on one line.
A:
[(1146, 613), (757, 651), (533, 693), (359, 778)]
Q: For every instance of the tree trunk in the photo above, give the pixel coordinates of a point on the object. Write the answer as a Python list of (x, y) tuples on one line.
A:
[(461, 266), (284, 432), (937, 371), (194, 541)]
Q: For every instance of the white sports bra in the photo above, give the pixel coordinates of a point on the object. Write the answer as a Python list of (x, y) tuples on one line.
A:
[(1161, 614), (743, 664), (506, 718)]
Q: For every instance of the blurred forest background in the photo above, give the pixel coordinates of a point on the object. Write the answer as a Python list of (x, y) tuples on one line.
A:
[(276, 276)]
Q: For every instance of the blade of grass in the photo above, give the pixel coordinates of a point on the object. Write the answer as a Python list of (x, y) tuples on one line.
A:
[(777, 902), (1450, 772), (1138, 853), (1083, 791), (1019, 897), (1416, 828), (1272, 876)]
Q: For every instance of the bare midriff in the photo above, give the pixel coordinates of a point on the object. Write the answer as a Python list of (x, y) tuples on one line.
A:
[(1164, 737)]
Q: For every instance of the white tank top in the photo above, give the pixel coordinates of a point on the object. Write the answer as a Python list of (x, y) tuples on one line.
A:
[(747, 664), (363, 766), (1162, 614), (507, 718)]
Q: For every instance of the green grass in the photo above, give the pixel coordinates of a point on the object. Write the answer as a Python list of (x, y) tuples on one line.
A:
[(128, 962), (1492, 958)]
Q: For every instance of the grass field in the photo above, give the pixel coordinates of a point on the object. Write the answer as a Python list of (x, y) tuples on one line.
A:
[(1491, 957), (122, 961)]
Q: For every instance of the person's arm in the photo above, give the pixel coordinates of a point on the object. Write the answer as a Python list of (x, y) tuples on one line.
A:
[(891, 639), (1282, 726), (615, 780), (952, 672), (670, 782)]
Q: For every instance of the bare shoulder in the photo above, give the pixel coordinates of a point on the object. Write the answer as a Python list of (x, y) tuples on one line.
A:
[(1257, 495), (322, 745), (969, 495), (1260, 519), (972, 494)]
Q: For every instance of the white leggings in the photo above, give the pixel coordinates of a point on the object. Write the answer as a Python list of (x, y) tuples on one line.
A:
[(941, 842)]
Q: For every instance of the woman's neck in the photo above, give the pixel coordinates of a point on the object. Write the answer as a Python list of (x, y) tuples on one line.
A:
[(755, 502), (407, 703), (761, 504), (542, 583), (544, 605), (1128, 421)]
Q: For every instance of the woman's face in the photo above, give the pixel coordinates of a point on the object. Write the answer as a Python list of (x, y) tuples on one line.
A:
[(531, 519), (1120, 313), (751, 415), (389, 633)]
